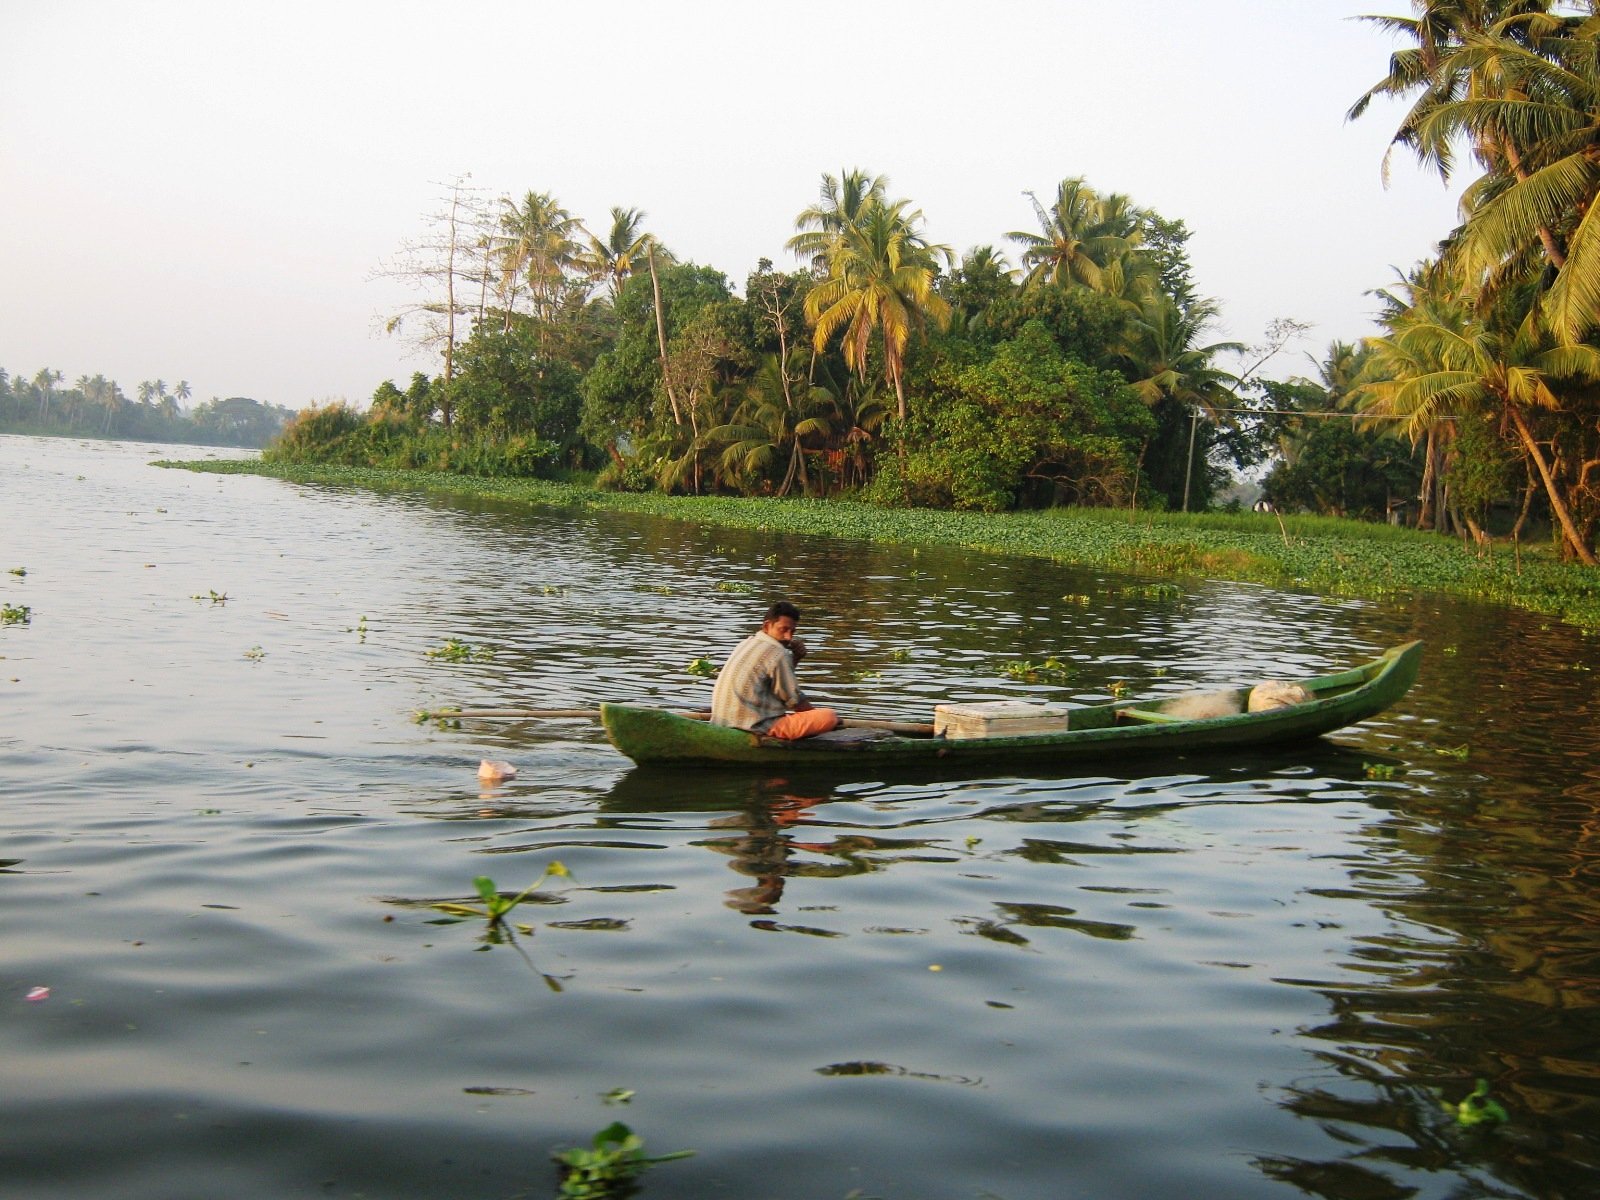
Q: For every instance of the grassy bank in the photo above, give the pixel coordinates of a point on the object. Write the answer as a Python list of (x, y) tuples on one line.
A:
[(1318, 554)]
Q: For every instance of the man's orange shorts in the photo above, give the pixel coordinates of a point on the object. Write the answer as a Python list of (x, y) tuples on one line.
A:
[(796, 725)]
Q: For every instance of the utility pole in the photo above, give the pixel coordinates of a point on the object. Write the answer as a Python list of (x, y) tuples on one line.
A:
[(1188, 468)]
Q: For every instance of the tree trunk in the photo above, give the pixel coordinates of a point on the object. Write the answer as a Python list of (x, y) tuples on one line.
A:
[(1425, 493), (1527, 503), (899, 392), (1558, 506), (661, 340), (1547, 239)]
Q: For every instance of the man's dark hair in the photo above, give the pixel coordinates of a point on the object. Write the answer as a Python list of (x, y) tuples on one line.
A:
[(781, 609)]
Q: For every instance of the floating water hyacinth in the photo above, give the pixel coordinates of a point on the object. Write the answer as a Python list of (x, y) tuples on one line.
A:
[(455, 650), (609, 1166), (495, 906), (1031, 672), (1479, 1108)]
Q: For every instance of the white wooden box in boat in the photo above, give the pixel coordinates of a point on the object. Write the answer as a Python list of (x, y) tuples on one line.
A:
[(998, 718)]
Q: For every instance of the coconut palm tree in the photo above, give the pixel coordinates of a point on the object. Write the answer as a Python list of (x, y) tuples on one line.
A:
[(857, 416), (1162, 343), (536, 245), (111, 396), (841, 205), (1534, 211), (1431, 74), (44, 382), (1432, 368), (620, 254), (881, 275), (770, 427), (1082, 237)]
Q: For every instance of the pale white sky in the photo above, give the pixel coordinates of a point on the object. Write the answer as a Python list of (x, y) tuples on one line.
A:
[(203, 190)]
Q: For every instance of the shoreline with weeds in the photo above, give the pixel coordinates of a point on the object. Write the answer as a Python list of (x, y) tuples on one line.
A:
[(1316, 554)]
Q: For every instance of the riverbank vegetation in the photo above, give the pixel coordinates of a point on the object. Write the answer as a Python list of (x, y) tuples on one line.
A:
[(1334, 556), (1076, 372), (96, 407)]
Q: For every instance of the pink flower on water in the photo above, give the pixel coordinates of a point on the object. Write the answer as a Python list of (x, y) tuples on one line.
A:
[(37, 994)]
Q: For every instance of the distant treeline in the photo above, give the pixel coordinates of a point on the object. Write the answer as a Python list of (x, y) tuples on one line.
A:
[(95, 406)]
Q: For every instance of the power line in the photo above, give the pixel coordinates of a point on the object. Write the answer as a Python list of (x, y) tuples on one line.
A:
[(1300, 412)]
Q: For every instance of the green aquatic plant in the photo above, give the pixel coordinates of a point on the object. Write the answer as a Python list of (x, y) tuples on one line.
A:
[(1118, 688), (19, 572), (1081, 599), (1378, 770), (659, 589), (734, 586), (703, 667), (554, 589), (455, 650), (1478, 1108), (1460, 751), (442, 718), (1051, 668), (255, 654), (900, 654), (1153, 591), (15, 614), (213, 595), (496, 906), (617, 1095), (606, 1169), (867, 676)]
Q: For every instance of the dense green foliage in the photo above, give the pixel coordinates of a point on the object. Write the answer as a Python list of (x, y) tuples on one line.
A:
[(97, 407), (1321, 554), (1029, 422), (882, 367)]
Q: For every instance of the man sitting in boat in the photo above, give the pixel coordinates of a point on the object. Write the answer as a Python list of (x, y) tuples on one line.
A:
[(757, 690)]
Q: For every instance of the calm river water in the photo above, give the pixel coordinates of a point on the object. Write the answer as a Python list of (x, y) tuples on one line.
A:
[(221, 833)]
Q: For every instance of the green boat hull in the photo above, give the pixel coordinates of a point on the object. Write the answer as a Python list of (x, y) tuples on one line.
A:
[(1104, 732)]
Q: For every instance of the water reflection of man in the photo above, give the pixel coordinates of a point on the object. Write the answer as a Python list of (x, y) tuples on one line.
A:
[(757, 690), (764, 848)]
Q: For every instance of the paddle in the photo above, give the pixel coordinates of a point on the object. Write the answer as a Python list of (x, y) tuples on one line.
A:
[(912, 728)]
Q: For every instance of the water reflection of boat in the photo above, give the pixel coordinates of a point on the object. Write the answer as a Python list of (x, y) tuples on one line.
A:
[(1100, 731)]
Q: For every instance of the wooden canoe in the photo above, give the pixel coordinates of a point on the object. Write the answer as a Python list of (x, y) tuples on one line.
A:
[(1104, 732)]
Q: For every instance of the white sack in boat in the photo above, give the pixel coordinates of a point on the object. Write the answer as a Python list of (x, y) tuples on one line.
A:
[(1276, 693)]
